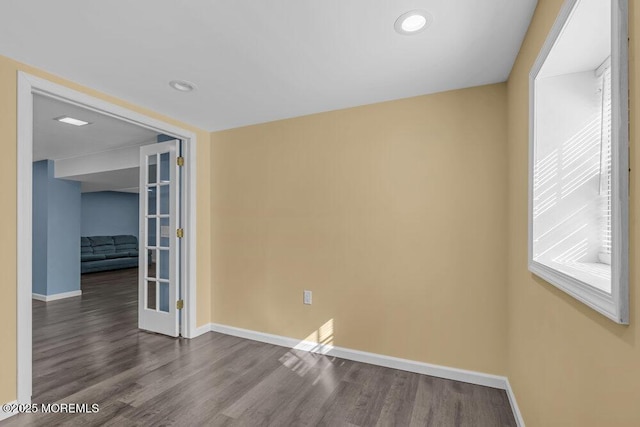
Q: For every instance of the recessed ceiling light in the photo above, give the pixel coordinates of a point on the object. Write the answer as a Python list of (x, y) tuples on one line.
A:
[(71, 121), (413, 22), (182, 85)]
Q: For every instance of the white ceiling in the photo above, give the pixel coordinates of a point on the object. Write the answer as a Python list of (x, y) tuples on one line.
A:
[(54, 140), (258, 61), (105, 135)]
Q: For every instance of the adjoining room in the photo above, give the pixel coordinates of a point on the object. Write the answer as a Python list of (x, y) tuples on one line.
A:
[(86, 217)]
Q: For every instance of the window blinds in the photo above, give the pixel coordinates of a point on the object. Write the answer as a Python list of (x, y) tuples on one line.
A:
[(605, 167)]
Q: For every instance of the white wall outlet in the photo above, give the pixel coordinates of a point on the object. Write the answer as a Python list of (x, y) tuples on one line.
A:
[(306, 297)]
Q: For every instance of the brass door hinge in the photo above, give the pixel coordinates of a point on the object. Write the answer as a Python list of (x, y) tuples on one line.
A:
[(179, 304), (180, 233), (180, 161)]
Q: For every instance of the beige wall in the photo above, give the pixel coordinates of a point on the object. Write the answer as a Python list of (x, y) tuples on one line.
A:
[(568, 365), (393, 214), (8, 259)]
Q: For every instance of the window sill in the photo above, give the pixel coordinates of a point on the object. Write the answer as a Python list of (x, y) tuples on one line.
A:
[(596, 274)]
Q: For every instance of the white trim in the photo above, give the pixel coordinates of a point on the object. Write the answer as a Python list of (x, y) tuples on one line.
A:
[(53, 297), (188, 216), (514, 405), (5, 415), (24, 232), (27, 86), (201, 330), (439, 371), (615, 306)]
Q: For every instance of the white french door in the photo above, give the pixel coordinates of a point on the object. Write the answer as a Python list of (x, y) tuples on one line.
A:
[(160, 233)]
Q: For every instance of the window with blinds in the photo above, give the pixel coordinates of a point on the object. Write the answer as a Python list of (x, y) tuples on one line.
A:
[(605, 168), (578, 157)]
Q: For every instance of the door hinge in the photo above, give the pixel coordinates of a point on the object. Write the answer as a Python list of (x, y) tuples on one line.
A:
[(180, 233), (179, 304), (180, 161)]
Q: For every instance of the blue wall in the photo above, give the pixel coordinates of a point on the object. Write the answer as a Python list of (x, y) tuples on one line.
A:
[(108, 213), (56, 227), (40, 228)]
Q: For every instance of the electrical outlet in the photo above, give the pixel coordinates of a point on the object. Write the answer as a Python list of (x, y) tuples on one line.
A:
[(306, 297)]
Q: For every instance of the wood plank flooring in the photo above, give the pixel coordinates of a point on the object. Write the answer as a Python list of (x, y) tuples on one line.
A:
[(88, 350)]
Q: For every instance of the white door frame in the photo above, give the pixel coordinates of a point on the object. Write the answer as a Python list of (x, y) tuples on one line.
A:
[(28, 85)]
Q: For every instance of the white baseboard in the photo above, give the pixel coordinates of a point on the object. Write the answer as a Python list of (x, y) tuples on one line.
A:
[(200, 330), (47, 298), (439, 371), (4, 415), (514, 405)]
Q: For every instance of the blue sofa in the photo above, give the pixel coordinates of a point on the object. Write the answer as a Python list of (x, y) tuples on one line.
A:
[(102, 253)]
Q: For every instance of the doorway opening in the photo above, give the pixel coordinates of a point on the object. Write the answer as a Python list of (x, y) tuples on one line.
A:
[(32, 88)]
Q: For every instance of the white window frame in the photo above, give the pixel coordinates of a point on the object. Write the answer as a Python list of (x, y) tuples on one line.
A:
[(615, 305)]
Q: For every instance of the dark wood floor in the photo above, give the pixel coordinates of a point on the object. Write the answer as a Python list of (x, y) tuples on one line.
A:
[(88, 350)]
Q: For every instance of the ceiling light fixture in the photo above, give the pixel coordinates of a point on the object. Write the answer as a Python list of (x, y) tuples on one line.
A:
[(413, 22), (71, 121), (182, 85)]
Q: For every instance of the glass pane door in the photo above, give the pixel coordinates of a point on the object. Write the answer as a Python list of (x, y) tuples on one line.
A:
[(159, 210)]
